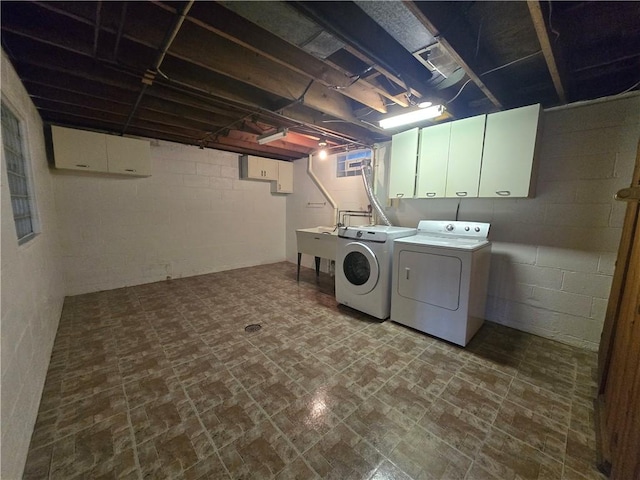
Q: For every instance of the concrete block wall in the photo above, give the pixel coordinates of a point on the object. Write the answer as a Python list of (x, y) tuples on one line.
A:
[(554, 255), (194, 215), (32, 289)]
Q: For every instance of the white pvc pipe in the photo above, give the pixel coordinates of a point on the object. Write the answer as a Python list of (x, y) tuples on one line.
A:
[(322, 189)]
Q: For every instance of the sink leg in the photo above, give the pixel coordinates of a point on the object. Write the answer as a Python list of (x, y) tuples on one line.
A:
[(299, 258), (317, 266)]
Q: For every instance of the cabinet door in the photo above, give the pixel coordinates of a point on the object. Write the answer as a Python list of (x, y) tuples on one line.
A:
[(432, 161), (128, 156), (79, 149), (404, 153), (465, 157), (251, 167), (284, 184), (269, 169), (508, 154)]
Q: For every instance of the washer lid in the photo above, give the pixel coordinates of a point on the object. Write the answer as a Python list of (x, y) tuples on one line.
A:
[(375, 233)]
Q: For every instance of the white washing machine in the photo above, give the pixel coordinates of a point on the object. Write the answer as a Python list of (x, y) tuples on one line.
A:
[(363, 267), (440, 279)]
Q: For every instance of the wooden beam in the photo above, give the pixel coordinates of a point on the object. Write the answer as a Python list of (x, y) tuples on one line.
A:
[(543, 37), (459, 50), (231, 26), (202, 48)]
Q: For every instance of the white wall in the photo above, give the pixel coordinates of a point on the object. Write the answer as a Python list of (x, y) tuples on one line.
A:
[(304, 207), (192, 216), (554, 255), (32, 290)]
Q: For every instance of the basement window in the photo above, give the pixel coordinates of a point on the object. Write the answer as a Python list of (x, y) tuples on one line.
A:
[(18, 175), (350, 163)]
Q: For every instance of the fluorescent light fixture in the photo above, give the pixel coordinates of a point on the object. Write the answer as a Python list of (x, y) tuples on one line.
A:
[(262, 139), (412, 117)]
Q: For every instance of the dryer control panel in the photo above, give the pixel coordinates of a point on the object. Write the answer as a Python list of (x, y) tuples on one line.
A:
[(454, 228)]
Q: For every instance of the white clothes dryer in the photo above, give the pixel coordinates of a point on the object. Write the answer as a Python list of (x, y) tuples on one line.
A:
[(440, 279), (363, 267)]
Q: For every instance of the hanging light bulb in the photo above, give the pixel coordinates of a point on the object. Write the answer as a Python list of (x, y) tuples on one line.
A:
[(322, 143)]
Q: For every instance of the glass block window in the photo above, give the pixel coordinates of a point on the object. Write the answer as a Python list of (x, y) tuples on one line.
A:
[(349, 164), (17, 173)]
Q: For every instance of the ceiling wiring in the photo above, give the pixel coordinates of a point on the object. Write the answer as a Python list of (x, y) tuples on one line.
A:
[(459, 92), (512, 62)]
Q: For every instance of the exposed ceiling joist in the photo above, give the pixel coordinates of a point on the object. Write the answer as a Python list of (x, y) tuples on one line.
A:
[(543, 37), (233, 27)]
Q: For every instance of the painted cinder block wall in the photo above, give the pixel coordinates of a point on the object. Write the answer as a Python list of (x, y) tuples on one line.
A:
[(33, 289), (193, 215)]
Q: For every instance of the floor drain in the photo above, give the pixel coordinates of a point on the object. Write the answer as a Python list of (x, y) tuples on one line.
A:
[(254, 327)]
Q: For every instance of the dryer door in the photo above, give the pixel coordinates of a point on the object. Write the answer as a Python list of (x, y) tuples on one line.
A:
[(360, 268)]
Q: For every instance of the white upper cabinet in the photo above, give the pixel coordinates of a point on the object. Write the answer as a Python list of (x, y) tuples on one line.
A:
[(259, 168), (465, 157), (128, 156), (79, 149), (509, 152), (284, 184), (432, 161), (96, 152), (404, 153)]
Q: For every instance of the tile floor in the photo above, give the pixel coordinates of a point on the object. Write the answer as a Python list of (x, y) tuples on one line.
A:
[(162, 381)]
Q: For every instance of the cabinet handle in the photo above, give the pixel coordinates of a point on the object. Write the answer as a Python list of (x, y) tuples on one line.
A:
[(431, 194), (399, 195), (82, 165), (407, 271), (129, 169), (504, 193), (461, 194)]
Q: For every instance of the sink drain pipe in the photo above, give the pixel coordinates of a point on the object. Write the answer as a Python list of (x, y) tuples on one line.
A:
[(322, 189)]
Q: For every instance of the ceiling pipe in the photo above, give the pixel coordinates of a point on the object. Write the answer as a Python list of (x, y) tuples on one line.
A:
[(150, 74), (123, 15), (96, 29)]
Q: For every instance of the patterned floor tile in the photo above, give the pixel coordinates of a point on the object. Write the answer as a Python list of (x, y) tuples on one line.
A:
[(456, 426), (162, 381), (472, 398), (276, 393), (409, 399), (508, 458), (422, 455), (540, 401), (259, 453), (379, 424), (433, 379), (231, 419), (343, 454), (175, 451), (306, 420), (73, 417), (487, 378), (536, 430)]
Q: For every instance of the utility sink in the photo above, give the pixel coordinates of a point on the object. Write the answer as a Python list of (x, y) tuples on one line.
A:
[(321, 242), (331, 230)]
